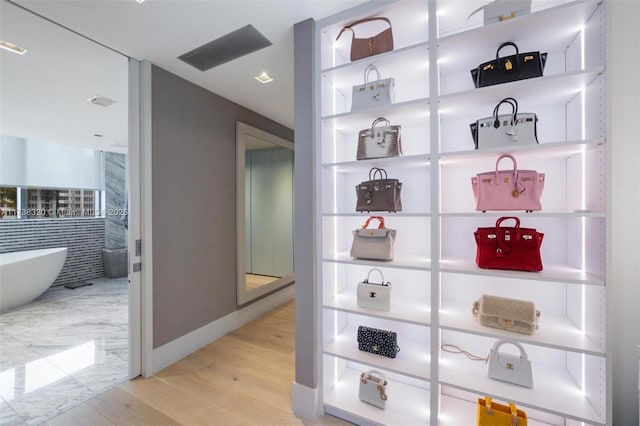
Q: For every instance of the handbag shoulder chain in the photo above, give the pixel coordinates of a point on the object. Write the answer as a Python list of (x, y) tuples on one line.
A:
[(457, 350)]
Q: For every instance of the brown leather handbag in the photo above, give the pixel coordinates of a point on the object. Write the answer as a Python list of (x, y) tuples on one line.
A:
[(364, 47)]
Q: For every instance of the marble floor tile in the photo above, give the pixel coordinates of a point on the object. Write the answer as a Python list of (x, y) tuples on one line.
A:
[(62, 349), (8, 417)]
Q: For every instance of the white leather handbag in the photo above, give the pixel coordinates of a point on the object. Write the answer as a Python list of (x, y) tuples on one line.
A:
[(510, 368), (373, 388), (501, 10), (375, 296), (375, 93), (373, 244), (502, 130)]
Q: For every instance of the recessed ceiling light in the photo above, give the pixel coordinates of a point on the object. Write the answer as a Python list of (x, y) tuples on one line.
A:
[(12, 47), (263, 78), (140, 1), (101, 100)]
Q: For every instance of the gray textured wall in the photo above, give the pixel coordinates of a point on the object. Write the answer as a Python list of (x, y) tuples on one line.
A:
[(306, 330), (83, 238), (193, 201), (115, 192)]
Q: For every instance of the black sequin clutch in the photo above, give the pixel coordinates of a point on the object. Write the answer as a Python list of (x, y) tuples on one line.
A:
[(379, 342)]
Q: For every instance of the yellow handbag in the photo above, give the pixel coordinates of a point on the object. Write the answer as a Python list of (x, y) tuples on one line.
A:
[(494, 414)]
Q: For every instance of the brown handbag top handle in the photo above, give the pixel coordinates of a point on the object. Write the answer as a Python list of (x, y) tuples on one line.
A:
[(361, 21)]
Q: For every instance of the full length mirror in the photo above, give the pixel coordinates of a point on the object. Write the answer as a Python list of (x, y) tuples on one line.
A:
[(265, 212)]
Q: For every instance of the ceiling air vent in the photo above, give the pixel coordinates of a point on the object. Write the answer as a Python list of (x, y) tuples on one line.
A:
[(226, 48), (101, 100)]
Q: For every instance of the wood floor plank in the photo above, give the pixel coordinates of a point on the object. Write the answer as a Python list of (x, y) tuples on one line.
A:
[(81, 414), (123, 409), (178, 404), (203, 385)]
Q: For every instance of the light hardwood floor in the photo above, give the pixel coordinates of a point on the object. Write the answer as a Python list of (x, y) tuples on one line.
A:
[(243, 378)]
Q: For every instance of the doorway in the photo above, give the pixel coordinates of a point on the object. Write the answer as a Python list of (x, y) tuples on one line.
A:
[(65, 145)]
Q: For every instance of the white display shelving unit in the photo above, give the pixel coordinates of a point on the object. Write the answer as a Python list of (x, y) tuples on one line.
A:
[(434, 276)]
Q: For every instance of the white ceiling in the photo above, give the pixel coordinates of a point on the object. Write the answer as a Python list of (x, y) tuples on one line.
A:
[(43, 92)]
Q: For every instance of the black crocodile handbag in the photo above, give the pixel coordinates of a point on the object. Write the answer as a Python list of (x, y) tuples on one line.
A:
[(379, 342)]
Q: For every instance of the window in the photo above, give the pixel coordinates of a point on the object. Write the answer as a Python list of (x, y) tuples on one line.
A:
[(40, 203), (8, 202)]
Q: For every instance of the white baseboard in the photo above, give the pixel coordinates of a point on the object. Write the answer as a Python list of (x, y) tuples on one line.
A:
[(177, 349), (305, 401)]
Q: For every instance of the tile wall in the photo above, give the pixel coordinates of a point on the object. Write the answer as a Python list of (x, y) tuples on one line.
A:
[(84, 239)]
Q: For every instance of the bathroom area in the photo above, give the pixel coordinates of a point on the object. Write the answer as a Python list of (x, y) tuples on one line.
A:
[(63, 284), (64, 290)]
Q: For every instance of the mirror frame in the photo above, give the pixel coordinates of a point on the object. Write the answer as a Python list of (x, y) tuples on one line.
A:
[(243, 295)]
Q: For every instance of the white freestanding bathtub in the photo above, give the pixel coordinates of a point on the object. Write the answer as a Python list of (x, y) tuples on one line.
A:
[(25, 275)]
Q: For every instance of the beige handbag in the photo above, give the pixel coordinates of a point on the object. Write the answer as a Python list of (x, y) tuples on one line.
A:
[(375, 244), (518, 316)]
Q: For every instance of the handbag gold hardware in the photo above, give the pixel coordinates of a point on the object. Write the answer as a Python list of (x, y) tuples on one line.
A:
[(528, 58), (508, 65), (504, 18), (487, 67)]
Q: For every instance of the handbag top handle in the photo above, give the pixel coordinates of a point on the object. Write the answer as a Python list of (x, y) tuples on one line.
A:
[(361, 21), (500, 342), (377, 171), (379, 120), (499, 234), (380, 219), (381, 277), (514, 110), (371, 374), (512, 409), (518, 187), (505, 44), (368, 69)]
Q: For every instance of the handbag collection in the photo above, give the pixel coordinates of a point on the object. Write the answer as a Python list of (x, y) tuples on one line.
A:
[(372, 93), (491, 413), (378, 342), (379, 141), (511, 248), (365, 47), (499, 247), (518, 316), (509, 68), (517, 128), (508, 189), (379, 193), (373, 388), (375, 296), (373, 244)]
